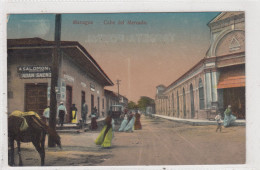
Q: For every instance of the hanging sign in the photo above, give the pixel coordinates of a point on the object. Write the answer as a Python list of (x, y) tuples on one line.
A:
[(31, 72)]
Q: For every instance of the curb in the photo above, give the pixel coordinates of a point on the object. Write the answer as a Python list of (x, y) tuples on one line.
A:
[(195, 122)]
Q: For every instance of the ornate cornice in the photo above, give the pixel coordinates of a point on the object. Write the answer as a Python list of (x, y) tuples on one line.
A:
[(227, 21)]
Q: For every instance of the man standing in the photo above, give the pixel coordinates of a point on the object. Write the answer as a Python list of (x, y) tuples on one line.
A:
[(84, 112), (46, 114), (62, 111)]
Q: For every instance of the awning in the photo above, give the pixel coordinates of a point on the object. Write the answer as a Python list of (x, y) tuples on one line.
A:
[(232, 78)]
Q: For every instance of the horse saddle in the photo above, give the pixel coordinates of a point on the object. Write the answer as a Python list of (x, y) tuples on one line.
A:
[(24, 124)]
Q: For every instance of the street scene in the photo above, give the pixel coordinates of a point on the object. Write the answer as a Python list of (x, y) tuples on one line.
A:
[(126, 89), (189, 145)]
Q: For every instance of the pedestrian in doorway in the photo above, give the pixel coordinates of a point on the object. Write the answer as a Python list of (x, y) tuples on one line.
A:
[(62, 111), (96, 112), (84, 112), (74, 111), (46, 114), (219, 122), (228, 117)]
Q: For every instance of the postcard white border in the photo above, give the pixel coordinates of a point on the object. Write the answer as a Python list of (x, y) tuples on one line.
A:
[(251, 9)]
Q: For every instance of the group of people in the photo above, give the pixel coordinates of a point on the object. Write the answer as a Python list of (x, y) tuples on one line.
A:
[(131, 122), (62, 112), (228, 119)]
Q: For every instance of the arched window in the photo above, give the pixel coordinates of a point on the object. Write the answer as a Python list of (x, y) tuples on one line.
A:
[(178, 108), (184, 103), (172, 104), (201, 94), (192, 101)]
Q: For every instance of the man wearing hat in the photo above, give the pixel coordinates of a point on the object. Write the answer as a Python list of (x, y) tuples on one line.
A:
[(61, 112)]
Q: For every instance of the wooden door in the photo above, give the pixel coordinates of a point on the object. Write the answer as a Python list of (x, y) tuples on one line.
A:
[(36, 97), (68, 103)]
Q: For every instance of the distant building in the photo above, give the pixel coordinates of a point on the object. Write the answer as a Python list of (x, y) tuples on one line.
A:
[(215, 81), (123, 101), (29, 76), (112, 99)]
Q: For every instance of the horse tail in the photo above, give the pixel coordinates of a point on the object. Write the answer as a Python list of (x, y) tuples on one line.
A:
[(53, 134)]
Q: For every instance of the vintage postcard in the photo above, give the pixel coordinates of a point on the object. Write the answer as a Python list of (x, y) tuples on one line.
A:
[(127, 89)]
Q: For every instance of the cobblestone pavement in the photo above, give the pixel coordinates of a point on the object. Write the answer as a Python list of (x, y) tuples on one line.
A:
[(160, 142)]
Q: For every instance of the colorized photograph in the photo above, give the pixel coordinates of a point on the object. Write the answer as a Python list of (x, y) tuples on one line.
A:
[(126, 89)]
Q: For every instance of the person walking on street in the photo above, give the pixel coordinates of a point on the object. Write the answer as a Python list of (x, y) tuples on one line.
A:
[(74, 111), (62, 111), (123, 124), (137, 125), (106, 135), (229, 118), (219, 122), (130, 125)]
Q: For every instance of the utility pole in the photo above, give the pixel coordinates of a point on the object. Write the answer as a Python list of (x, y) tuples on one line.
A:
[(118, 82), (54, 78)]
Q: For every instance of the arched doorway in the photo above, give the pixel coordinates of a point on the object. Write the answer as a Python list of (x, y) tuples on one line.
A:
[(184, 104), (201, 94), (192, 101), (172, 104)]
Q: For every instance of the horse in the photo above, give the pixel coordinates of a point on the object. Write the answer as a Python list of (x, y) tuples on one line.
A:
[(35, 132)]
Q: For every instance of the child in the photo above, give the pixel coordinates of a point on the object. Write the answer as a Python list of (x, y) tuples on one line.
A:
[(219, 121)]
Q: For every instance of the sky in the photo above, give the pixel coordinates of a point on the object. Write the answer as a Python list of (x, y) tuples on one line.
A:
[(143, 50)]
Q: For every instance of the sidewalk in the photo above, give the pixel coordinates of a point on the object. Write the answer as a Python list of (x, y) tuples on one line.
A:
[(75, 128), (197, 122)]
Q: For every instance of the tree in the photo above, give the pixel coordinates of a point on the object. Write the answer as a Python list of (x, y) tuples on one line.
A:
[(145, 101), (132, 105)]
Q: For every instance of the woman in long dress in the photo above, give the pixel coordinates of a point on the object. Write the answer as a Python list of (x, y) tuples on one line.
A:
[(123, 124), (229, 118), (129, 126), (93, 125), (137, 125), (105, 137)]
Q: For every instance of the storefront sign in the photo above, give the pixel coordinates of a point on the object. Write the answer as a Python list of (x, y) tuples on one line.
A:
[(92, 87), (83, 84), (60, 91), (69, 78), (34, 69), (31, 72), (34, 75)]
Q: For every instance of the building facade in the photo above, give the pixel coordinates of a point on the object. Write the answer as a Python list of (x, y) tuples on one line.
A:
[(112, 99), (215, 81), (29, 76)]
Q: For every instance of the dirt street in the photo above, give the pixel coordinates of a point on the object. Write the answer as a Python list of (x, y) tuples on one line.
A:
[(160, 142)]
